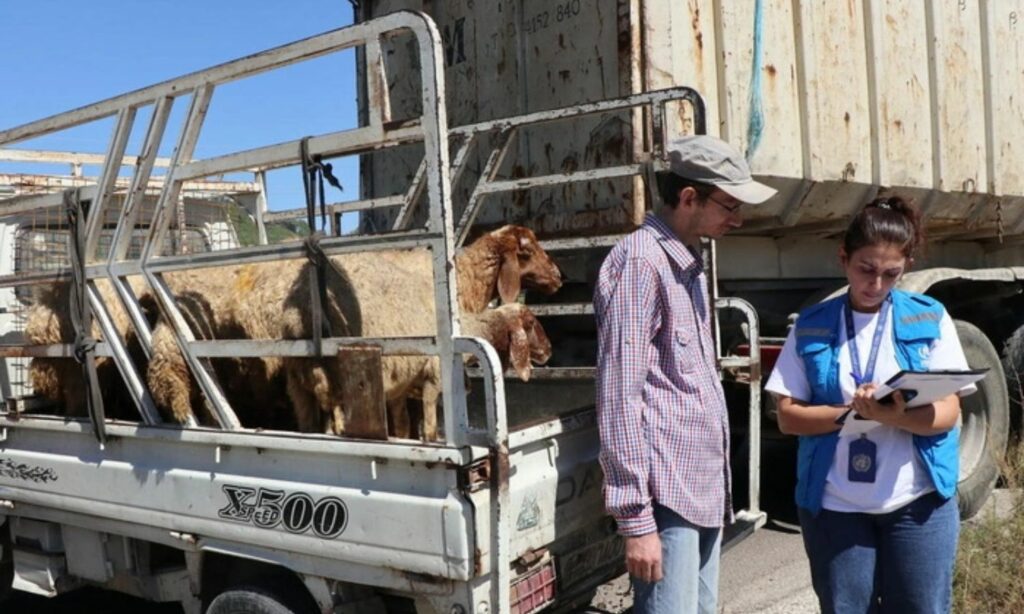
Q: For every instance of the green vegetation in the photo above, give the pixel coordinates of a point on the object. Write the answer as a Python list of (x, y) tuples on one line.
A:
[(989, 573), (245, 228)]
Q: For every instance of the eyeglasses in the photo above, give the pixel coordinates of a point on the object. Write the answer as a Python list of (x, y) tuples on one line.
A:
[(730, 208)]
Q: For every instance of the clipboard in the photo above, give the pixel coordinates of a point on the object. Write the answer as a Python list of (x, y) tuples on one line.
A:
[(925, 387)]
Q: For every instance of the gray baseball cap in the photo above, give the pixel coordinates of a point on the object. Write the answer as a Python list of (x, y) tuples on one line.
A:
[(709, 160)]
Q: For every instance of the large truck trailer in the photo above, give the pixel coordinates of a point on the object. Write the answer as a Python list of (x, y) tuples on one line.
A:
[(832, 104)]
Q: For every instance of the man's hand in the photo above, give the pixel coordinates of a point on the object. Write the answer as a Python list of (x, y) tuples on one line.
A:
[(643, 557)]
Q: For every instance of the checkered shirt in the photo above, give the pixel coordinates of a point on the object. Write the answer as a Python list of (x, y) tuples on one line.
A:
[(661, 410)]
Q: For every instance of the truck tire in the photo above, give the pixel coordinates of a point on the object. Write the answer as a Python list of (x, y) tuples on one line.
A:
[(6, 563), (986, 422), (1013, 366), (255, 600)]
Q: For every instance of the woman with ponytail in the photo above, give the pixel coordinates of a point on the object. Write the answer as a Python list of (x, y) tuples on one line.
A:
[(876, 504)]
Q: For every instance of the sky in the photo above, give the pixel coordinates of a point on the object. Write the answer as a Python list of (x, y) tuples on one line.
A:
[(57, 55)]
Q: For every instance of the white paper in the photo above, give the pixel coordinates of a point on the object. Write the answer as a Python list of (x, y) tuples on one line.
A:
[(929, 385)]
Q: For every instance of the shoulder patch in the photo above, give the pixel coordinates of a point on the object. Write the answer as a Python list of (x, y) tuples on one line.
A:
[(933, 316), (813, 332)]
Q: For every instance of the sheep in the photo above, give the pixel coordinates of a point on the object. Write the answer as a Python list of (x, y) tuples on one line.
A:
[(366, 295), (48, 322), (213, 302), (203, 298), (200, 297), (500, 263), (378, 306), (271, 301), (514, 332)]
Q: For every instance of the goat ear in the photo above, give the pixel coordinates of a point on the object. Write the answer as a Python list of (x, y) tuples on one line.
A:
[(519, 352), (508, 277), (540, 345)]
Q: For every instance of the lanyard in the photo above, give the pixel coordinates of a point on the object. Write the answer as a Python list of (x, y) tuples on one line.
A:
[(851, 339)]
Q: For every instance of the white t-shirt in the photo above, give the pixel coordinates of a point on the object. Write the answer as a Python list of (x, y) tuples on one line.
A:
[(900, 476)]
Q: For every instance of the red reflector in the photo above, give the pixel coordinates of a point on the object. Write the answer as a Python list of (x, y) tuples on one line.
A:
[(535, 591), (769, 355)]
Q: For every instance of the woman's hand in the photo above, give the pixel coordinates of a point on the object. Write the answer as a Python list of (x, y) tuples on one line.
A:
[(867, 407), (939, 417)]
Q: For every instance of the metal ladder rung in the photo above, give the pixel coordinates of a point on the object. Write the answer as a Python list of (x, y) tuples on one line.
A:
[(545, 373), (731, 362), (562, 309)]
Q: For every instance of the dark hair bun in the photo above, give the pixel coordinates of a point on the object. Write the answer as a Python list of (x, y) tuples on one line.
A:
[(886, 220)]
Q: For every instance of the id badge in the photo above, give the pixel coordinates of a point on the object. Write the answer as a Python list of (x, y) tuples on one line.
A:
[(862, 460)]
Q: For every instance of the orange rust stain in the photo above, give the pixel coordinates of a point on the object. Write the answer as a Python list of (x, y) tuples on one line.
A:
[(770, 69)]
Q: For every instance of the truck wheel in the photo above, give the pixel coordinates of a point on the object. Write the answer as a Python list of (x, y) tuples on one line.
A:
[(1013, 366), (6, 563), (986, 422), (255, 600)]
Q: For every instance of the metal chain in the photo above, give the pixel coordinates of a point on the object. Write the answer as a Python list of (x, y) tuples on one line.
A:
[(999, 219)]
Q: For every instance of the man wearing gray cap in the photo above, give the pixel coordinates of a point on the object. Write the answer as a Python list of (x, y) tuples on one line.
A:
[(661, 411)]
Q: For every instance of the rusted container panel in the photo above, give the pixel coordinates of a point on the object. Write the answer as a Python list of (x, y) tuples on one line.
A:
[(959, 85), (679, 46), (1005, 41), (833, 106), (512, 57), (898, 51), (832, 101), (768, 90), (569, 54)]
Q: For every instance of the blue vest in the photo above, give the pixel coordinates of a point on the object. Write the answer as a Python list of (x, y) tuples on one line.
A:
[(915, 322)]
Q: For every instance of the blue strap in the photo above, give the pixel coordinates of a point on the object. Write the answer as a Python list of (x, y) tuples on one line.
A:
[(868, 375), (755, 113)]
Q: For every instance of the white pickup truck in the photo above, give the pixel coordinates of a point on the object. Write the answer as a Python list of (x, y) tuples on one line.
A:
[(490, 519)]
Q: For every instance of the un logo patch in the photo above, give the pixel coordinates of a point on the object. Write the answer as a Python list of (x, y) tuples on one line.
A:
[(861, 462)]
